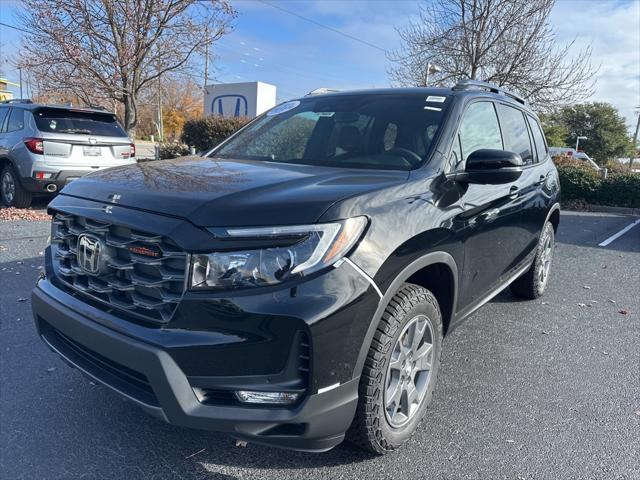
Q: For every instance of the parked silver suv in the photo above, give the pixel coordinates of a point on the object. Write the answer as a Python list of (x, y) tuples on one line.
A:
[(43, 147)]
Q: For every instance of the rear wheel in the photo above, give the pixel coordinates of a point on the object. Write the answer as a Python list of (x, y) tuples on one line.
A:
[(533, 282), (399, 375), (11, 191)]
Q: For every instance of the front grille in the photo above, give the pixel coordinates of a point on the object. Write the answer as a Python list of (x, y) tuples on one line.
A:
[(140, 273)]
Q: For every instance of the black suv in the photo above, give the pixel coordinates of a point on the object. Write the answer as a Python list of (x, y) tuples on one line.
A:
[(293, 286)]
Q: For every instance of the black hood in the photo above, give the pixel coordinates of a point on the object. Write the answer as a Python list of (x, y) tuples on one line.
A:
[(223, 192)]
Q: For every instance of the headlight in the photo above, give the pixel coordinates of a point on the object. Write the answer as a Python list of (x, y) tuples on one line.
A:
[(311, 248)]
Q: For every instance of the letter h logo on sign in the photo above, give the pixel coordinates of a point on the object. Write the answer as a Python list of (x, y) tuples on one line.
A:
[(223, 105)]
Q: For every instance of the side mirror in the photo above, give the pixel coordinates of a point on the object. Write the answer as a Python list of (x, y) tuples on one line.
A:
[(492, 167)]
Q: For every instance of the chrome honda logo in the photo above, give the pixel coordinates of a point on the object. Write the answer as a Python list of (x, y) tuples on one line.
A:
[(89, 251)]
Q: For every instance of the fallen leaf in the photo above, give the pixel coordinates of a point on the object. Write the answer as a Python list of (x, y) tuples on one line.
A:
[(605, 353), (623, 311), (544, 333), (22, 299), (637, 412), (241, 444), (582, 304), (586, 287), (611, 301), (51, 369)]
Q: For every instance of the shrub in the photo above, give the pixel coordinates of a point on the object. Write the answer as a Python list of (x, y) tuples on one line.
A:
[(206, 133), (173, 150), (620, 190), (580, 183)]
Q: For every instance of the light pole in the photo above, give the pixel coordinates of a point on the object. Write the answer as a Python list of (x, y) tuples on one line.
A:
[(431, 68), (635, 141), (578, 141)]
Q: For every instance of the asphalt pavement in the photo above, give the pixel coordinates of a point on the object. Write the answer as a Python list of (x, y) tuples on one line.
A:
[(545, 389)]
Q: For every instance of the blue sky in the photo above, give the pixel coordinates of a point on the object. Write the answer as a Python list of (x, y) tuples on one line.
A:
[(297, 56)]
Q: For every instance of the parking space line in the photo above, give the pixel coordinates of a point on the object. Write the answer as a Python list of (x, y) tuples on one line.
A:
[(619, 234)]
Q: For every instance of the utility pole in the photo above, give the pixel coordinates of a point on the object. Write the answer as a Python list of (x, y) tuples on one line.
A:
[(160, 123), (20, 72)]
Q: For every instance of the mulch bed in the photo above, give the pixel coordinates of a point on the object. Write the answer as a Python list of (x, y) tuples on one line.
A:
[(12, 214)]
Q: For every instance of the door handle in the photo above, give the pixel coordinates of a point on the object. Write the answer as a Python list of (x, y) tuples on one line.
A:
[(514, 191)]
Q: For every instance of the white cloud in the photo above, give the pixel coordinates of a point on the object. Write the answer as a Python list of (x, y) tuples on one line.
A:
[(613, 31)]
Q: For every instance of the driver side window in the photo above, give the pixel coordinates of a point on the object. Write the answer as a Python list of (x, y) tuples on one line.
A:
[(479, 129)]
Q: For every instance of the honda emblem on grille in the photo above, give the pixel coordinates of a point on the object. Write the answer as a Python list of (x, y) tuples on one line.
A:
[(89, 251)]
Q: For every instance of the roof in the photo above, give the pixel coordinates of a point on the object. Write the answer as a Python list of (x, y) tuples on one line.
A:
[(4, 80), (34, 106), (463, 88)]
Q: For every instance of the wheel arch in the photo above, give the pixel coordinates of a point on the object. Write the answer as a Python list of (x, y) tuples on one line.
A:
[(553, 216), (427, 271), (4, 161)]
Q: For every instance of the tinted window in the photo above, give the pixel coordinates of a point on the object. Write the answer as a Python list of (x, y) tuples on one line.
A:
[(516, 134), (479, 129), (538, 138), (3, 114), (58, 120), (16, 120), (357, 131)]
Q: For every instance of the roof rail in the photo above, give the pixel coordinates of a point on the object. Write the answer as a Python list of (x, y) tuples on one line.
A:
[(17, 100), (322, 90), (469, 84)]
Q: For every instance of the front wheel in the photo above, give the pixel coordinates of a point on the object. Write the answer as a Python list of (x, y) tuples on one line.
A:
[(533, 282), (399, 375)]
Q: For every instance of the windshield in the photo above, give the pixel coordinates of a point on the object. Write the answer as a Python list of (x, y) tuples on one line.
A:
[(59, 120), (362, 131)]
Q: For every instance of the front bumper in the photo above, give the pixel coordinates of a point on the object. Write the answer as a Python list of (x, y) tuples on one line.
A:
[(131, 359)]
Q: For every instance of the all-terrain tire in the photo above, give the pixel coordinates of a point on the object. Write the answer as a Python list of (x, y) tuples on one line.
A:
[(370, 429), (533, 282)]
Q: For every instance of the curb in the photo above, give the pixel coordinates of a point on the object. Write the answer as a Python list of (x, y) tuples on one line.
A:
[(604, 209)]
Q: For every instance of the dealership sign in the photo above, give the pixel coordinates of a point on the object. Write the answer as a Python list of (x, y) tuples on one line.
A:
[(247, 99)]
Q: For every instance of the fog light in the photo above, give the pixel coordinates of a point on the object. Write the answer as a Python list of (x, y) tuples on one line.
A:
[(277, 398)]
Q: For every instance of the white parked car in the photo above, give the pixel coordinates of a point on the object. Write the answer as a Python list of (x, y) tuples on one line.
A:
[(571, 152)]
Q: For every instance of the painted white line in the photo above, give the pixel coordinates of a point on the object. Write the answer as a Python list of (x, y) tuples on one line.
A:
[(619, 234)]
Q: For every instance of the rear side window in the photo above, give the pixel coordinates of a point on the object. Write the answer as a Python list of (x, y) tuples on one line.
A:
[(3, 115), (16, 120), (58, 120), (538, 138), (516, 134), (480, 129)]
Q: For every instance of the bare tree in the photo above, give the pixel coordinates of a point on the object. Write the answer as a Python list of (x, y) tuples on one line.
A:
[(108, 51), (506, 42)]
